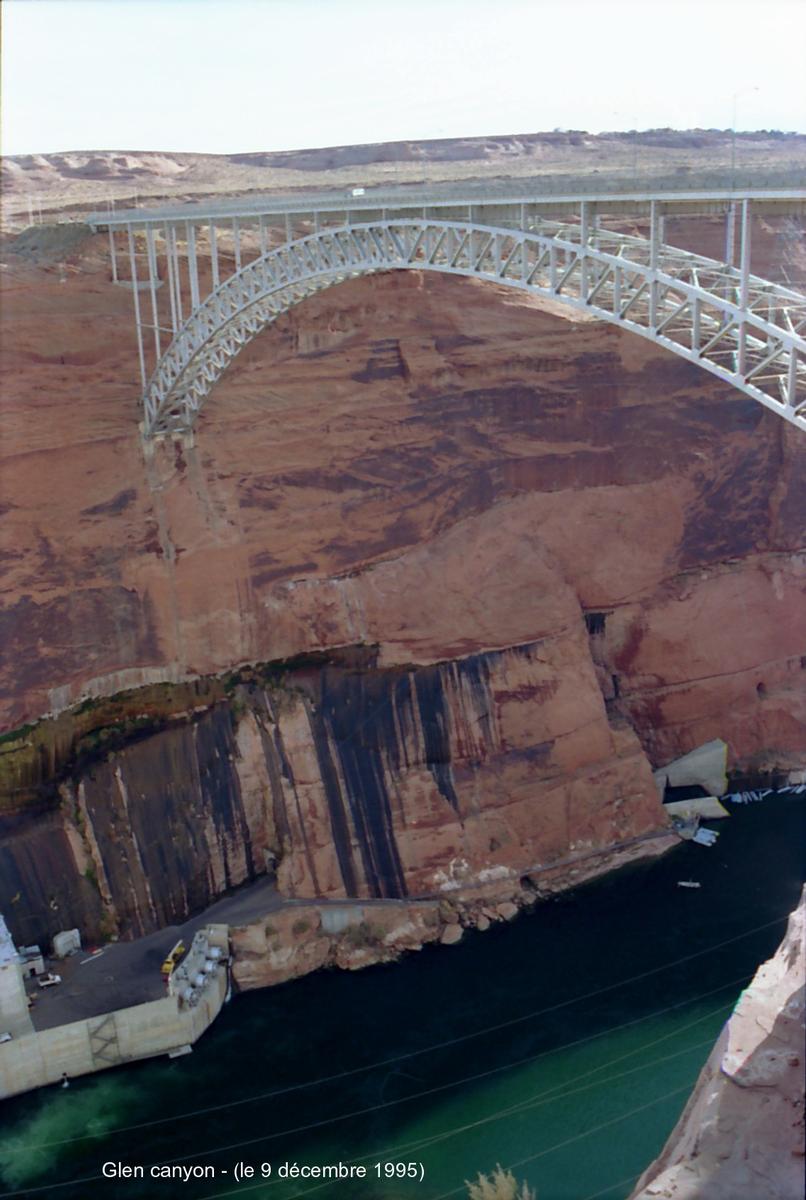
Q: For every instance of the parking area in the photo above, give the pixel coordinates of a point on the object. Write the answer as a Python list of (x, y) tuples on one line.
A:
[(127, 973)]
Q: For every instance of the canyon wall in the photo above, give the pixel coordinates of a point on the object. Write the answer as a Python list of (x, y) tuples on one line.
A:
[(348, 780), (741, 1135), (497, 563)]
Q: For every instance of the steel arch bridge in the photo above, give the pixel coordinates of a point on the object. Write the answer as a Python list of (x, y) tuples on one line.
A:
[(742, 328)]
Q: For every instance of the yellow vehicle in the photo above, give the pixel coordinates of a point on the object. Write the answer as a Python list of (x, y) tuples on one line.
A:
[(173, 958)]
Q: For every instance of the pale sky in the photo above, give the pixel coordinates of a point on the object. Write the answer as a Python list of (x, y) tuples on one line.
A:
[(224, 76)]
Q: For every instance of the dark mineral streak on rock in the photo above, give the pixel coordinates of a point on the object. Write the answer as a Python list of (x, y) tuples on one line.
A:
[(336, 807), (434, 721), (112, 507), (39, 892), (355, 719), (152, 807)]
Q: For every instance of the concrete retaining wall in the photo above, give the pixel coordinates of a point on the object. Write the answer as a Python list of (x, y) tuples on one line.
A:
[(143, 1031)]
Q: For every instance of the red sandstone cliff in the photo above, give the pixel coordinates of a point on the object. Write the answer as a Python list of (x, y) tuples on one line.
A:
[(568, 555), (741, 1135), (437, 466)]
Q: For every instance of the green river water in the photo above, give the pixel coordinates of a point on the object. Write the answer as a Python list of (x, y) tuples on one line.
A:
[(564, 1044)]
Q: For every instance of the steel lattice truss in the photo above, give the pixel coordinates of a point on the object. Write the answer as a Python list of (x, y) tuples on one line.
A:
[(747, 331)]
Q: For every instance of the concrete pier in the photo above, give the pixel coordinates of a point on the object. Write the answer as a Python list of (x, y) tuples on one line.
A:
[(169, 1025)]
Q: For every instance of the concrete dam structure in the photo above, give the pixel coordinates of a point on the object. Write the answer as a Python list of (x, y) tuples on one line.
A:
[(44, 1048)]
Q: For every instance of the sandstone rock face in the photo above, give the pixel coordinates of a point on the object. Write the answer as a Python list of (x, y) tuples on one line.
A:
[(353, 780), (296, 941), (451, 470), (741, 1135), (451, 934), (532, 558)]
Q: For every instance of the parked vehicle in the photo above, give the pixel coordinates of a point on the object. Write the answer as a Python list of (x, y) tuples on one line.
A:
[(5, 1037), (49, 980), (171, 961)]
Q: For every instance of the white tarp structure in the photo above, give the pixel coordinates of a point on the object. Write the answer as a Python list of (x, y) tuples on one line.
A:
[(14, 1018), (66, 942), (705, 767), (8, 951)]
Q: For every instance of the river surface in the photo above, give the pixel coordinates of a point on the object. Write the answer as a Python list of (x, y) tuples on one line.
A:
[(564, 1044)]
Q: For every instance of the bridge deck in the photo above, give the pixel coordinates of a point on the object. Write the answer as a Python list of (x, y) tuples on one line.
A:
[(789, 201)]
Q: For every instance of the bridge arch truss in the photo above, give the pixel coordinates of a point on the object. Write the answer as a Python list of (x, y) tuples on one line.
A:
[(746, 330)]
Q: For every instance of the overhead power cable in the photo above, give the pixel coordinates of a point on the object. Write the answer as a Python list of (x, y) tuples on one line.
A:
[(522, 1106), (107, 1133), (409, 1054), (570, 1141), (535, 1101), (411, 1147), (609, 1188), (532, 1102)]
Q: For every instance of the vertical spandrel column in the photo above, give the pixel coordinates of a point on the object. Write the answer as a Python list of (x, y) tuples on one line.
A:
[(171, 275), (236, 240), (584, 234), (113, 254), (137, 318), (730, 236), (193, 267), (654, 257), (176, 274), (744, 283), (152, 287), (214, 255)]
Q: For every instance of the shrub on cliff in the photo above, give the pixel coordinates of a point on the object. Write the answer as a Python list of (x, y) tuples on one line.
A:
[(501, 1185), (361, 936)]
